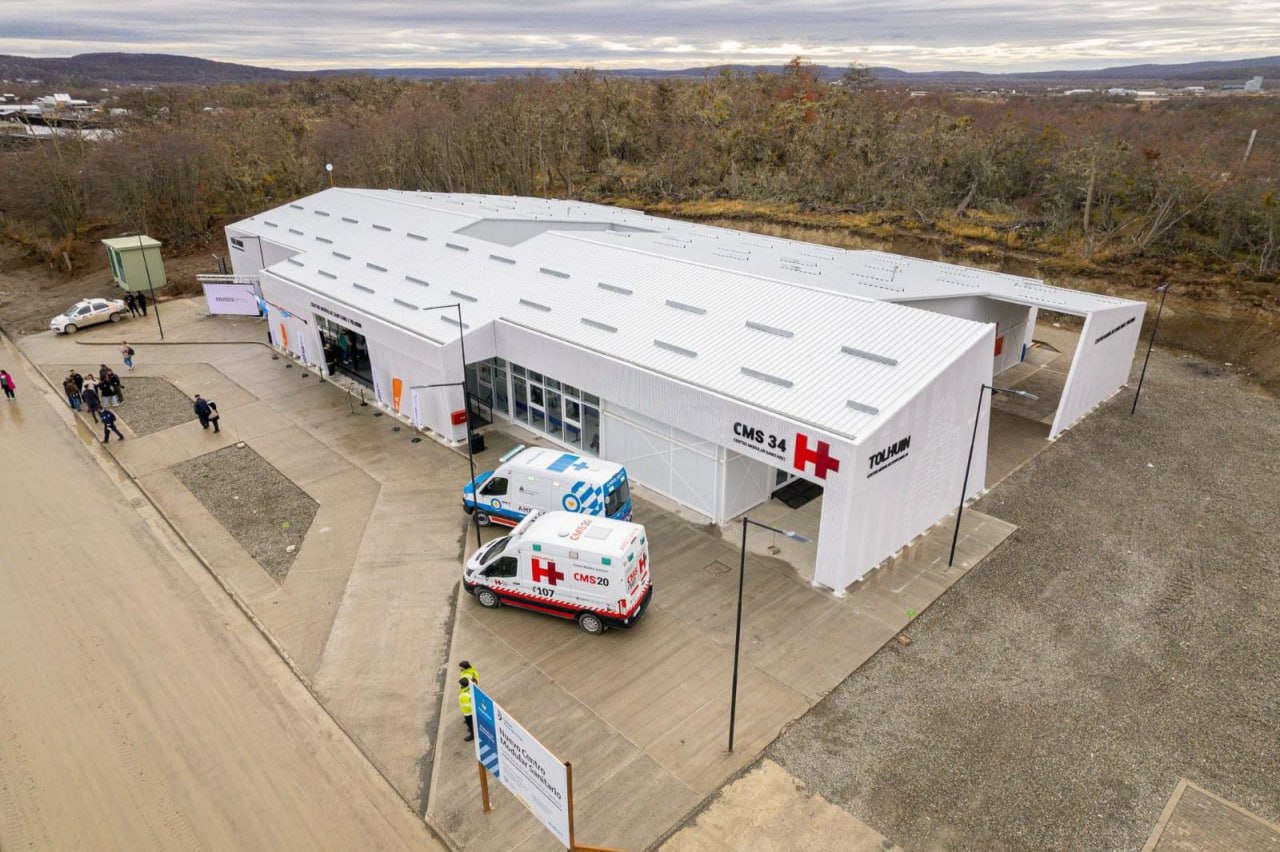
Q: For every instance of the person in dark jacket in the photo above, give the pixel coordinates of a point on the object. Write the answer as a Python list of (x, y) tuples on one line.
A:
[(140, 299), (109, 426), (131, 304), (78, 379), (72, 392), (203, 410), (89, 396)]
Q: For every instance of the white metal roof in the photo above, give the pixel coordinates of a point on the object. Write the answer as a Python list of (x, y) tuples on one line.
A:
[(838, 361)]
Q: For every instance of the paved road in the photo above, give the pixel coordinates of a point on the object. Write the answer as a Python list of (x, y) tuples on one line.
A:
[(138, 706)]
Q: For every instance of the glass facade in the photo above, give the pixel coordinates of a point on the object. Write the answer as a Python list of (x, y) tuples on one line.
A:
[(562, 412)]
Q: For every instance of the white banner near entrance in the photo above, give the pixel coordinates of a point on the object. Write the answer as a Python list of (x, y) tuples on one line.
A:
[(523, 765), (238, 298)]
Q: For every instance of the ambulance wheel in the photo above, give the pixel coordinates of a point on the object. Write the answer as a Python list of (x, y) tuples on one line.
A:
[(482, 519), (591, 623), (488, 599)]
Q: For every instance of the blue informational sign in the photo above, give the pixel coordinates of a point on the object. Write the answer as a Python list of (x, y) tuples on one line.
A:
[(486, 730)]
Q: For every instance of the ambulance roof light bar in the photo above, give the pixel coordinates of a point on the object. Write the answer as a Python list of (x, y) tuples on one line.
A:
[(512, 453)]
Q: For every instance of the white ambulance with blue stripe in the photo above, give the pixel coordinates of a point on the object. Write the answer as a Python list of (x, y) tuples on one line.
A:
[(531, 479)]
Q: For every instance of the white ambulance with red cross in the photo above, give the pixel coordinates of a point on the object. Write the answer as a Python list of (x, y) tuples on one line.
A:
[(590, 569)]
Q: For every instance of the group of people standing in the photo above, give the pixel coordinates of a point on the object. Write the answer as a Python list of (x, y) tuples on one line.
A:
[(94, 393), (136, 303)]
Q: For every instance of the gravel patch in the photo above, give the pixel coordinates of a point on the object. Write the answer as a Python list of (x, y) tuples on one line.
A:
[(262, 509), (1123, 638), (152, 405)]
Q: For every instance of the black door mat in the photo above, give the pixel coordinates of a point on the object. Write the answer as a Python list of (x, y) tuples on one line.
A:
[(798, 492)]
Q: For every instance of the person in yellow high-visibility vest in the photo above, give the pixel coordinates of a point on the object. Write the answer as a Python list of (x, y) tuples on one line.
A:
[(469, 671), (464, 703)]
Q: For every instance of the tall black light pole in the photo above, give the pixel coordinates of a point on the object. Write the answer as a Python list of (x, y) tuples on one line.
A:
[(737, 633), (466, 407), (1163, 289), (155, 305), (955, 536)]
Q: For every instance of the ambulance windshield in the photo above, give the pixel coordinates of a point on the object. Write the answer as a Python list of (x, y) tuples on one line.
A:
[(618, 499), (494, 549)]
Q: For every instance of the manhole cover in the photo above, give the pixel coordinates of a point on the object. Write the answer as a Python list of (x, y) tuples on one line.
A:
[(717, 568)]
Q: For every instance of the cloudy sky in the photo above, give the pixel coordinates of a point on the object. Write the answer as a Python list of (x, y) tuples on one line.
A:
[(978, 35)]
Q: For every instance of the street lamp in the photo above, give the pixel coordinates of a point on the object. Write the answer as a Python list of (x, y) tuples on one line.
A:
[(1163, 290), (150, 286), (737, 633), (466, 401), (964, 488)]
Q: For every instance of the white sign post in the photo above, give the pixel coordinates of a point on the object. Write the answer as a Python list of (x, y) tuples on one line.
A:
[(535, 776)]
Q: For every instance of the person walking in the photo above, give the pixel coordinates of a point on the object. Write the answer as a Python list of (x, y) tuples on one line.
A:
[(202, 409), (72, 392), (469, 672), (109, 426), (214, 416), (130, 304), (89, 396), (141, 301), (126, 352), (464, 703), (109, 388), (6, 383)]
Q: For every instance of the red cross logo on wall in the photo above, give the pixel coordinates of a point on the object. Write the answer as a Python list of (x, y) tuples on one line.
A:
[(546, 572), (821, 458)]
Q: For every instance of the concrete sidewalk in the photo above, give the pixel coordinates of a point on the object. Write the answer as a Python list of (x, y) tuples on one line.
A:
[(369, 614)]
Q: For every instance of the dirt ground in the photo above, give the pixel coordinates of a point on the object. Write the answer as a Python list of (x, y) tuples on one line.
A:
[(1123, 638)]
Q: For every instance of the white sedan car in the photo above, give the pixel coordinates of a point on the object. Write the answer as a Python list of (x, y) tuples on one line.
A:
[(88, 312)]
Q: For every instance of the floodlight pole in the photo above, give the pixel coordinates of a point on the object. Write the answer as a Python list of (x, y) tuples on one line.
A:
[(737, 632), (155, 303), (1164, 291), (466, 409), (955, 536)]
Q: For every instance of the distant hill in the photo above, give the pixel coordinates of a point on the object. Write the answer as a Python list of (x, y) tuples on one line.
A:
[(93, 69)]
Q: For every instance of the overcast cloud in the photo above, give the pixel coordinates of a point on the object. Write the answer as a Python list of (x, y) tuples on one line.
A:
[(995, 35)]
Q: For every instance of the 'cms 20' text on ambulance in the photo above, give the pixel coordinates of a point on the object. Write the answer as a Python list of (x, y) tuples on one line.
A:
[(548, 480), (590, 569)]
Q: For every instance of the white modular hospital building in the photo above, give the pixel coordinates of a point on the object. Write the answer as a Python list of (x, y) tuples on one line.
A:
[(715, 365)]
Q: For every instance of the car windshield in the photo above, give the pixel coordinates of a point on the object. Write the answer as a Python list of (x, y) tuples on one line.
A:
[(494, 548), (618, 499), (71, 311)]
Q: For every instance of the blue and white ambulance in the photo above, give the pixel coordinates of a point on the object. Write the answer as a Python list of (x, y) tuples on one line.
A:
[(538, 478)]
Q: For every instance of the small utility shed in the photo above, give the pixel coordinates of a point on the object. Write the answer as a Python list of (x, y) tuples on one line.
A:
[(136, 263), (715, 365)]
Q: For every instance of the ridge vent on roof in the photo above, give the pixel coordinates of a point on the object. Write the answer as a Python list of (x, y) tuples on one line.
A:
[(462, 295), (295, 231), (417, 281), (411, 235), (870, 356), (373, 265), (858, 406), (457, 247), (671, 347), (795, 267), (320, 212), (325, 240), (337, 253), (535, 305), (555, 273), (360, 286), (352, 221), (600, 325), (681, 306), (765, 377), (769, 329), (501, 259), (378, 227), (614, 288), (405, 304)]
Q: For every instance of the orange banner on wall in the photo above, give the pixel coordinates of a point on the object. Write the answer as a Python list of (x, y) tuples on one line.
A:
[(284, 337), (396, 387)]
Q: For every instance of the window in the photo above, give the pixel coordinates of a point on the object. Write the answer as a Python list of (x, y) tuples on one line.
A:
[(495, 487), (502, 567)]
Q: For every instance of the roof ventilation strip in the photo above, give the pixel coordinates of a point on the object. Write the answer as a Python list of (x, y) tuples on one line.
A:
[(320, 212), (411, 235), (352, 221), (269, 223), (768, 329), (535, 306), (870, 356), (452, 321), (297, 207), (364, 288), (456, 247), (402, 303), (295, 261), (413, 280), (336, 253), (327, 274), (681, 306), (501, 259), (614, 288), (679, 350), (555, 273), (600, 325), (324, 240), (765, 377), (372, 265), (462, 295), (378, 227), (858, 406), (295, 231)]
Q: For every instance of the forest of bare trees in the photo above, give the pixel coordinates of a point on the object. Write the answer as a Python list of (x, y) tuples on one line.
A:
[(1090, 179)]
